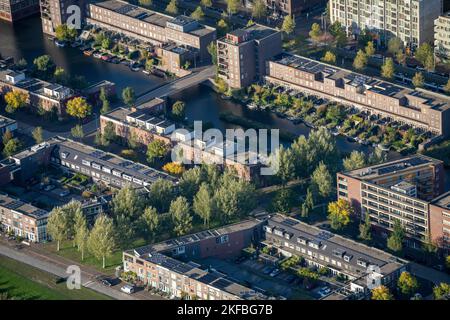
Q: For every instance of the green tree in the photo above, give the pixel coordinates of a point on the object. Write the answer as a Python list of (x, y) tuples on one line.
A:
[(447, 87), (105, 107), (44, 65), (407, 284), (356, 160), (283, 201), (395, 46), (37, 135), (160, 195), (60, 76), (441, 291), (381, 293), (11, 147), (7, 136), (22, 64), (172, 7), (388, 69), (232, 6), (329, 57), (339, 213), (222, 27), (109, 133), (206, 3), (322, 181), (418, 80), (395, 240), (370, 49), (58, 225), (365, 228), (178, 110), (360, 61), (190, 182), (181, 218), (284, 162), (81, 232), (259, 9), (315, 32), (212, 50), (128, 96), (65, 33), (150, 221), (146, 3), (101, 241), (424, 52), (204, 203), (78, 108), (156, 149), (288, 25), (198, 14), (106, 43)]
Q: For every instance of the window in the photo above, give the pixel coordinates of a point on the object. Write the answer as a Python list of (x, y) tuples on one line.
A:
[(222, 239)]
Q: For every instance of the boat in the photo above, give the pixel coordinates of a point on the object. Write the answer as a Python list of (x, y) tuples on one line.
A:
[(60, 44), (88, 52), (106, 57), (351, 139), (135, 67), (115, 60), (309, 124), (252, 106), (225, 97), (383, 147), (97, 55), (76, 44), (334, 132)]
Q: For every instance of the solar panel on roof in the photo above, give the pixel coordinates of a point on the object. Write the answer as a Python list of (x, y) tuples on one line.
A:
[(14, 204), (222, 283), (208, 278), (289, 222)]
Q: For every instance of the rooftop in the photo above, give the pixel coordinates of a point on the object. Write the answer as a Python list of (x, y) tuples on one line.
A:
[(442, 201), (22, 207), (4, 121), (254, 32)]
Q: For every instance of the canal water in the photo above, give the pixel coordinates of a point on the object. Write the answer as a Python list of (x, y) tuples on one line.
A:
[(26, 40)]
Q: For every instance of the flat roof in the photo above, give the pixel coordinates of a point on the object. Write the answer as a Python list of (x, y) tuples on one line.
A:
[(442, 201), (22, 207)]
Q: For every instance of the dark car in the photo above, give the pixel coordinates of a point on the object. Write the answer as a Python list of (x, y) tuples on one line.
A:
[(60, 280), (106, 282)]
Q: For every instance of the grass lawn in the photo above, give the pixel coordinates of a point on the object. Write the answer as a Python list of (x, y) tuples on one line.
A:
[(24, 282)]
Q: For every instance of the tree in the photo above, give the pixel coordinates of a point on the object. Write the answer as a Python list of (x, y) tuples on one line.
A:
[(315, 32), (418, 80), (447, 262), (106, 43), (442, 291), (146, 3), (160, 195), (447, 87), (203, 204), (58, 225), (156, 149), (283, 201), (11, 147), (206, 3), (365, 229), (101, 241), (178, 110), (78, 108), (190, 182), (429, 63), (381, 293), (395, 240), (109, 133), (198, 14), (388, 69), (329, 57), (150, 221), (81, 232), (105, 107), (128, 96), (172, 7), (37, 135), (407, 284), (370, 49), (21, 64), (424, 52), (356, 160), (65, 33), (339, 213), (395, 46), (360, 61), (212, 50), (15, 100), (259, 9), (60, 76), (44, 65), (77, 132), (181, 218), (322, 180), (7, 136), (232, 6), (173, 168), (288, 25), (222, 25), (284, 162)]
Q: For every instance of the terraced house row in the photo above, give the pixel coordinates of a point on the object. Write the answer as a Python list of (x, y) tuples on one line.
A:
[(419, 108), (409, 190)]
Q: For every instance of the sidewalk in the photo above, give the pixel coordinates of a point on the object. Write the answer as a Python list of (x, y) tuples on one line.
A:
[(57, 265)]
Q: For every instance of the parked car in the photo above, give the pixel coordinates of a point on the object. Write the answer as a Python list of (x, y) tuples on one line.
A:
[(324, 291), (275, 272), (128, 289), (106, 282), (50, 187), (64, 193), (267, 270)]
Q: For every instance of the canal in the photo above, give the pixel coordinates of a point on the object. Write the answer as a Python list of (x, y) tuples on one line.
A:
[(26, 40)]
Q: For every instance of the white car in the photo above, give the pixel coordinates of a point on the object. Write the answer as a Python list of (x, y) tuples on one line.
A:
[(275, 272), (128, 289), (64, 193), (324, 291)]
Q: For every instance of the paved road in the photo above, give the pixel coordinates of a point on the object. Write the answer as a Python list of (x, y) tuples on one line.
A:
[(429, 274), (177, 85), (57, 265)]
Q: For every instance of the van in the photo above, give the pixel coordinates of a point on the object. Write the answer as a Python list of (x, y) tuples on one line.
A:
[(128, 289)]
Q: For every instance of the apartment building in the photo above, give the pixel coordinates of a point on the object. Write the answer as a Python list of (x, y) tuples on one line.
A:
[(152, 27), (294, 7), (242, 54), (56, 12), (440, 220), (72, 156), (162, 265), (358, 263), (42, 94), (142, 123), (397, 190), (13, 10), (442, 36), (419, 108), (410, 20), (23, 219)]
